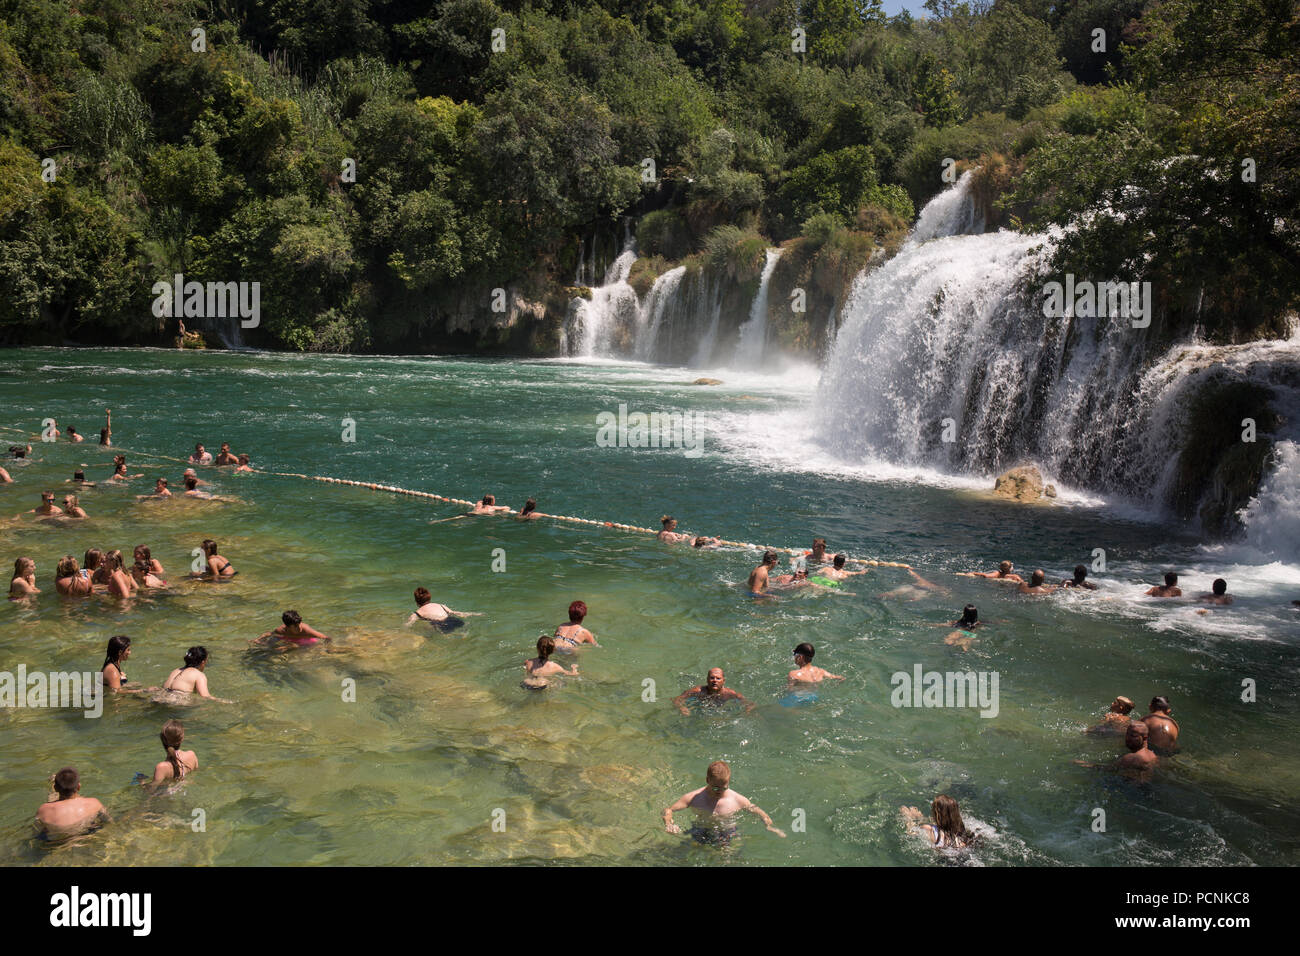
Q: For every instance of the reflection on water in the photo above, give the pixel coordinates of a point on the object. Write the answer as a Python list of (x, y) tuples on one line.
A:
[(397, 745)]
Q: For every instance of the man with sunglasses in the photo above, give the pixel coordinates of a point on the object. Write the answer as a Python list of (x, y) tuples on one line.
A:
[(48, 507), (714, 805)]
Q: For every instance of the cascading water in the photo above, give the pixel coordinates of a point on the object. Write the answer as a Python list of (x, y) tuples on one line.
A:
[(592, 323), (942, 342), (753, 334), (650, 319)]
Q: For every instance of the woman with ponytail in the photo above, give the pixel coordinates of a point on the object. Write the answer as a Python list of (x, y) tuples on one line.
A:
[(190, 678), (178, 762)]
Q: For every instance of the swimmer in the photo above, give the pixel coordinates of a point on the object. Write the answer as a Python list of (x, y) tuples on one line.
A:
[(178, 762), (225, 457), (160, 490), (68, 579), (120, 583), (914, 592), (804, 672), (47, 507), (20, 452), (190, 678), (191, 473), (668, 535), (242, 464), (713, 691), (947, 831), (1115, 720), (568, 636), (71, 508), (200, 457), (797, 579), (119, 649), (54, 429), (966, 624), (714, 805), (758, 577), (73, 436), (294, 631), (1170, 589), (426, 609), (541, 667), (817, 556), (23, 584), (835, 571), (487, 506), (529, 511), (144, 579), (66, 812), (1163, 728), (1003, 573), (219, 567), (106, 433), (1140, 756), (192, 489), (1080, 579), (1219, 593), (703, 542), (1035, 584), (142, 553), (79, 478), (93, 567)]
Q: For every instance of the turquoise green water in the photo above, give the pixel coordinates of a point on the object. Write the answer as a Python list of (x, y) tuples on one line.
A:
[(441, 737)]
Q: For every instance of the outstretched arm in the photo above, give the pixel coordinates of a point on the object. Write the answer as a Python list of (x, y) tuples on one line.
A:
[(756, 809)]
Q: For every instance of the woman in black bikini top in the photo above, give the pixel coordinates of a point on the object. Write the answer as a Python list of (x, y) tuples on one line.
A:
[(119, 649)]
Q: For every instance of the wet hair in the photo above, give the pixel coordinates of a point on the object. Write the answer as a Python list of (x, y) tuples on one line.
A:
[(225, 445), (947, 819), (529, 506), (769, 557), (1136, 727), (196, 655), (1037, 578), (67, 567), (21, 565), (806, 650), (719, 771), (1170, 579), (117, 644), (94, 557), (577, 611), (209, 547), (1080, 573), (700, 541), (114, 559), (818, 541), (1006, 567), (422, 596), (1159, 703), (47, 494), (78, 476), (291, 618), (72, 498), (1125, 704), (119, 467), (1220, 587), (665, 519), (198, 445), (191, 483), (18, 451), (66, 781), (172, 736), (839, 560), (970, 614), (545, 646), (488, 500), (103, 436), (161, 481), (243, 459), (142, 552), (139, 567), (71, 430)]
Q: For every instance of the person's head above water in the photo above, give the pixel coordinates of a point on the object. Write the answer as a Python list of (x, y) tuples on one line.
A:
[(969, 615), (118, 645), (291, 618), (1080, 573), (529, 507), (209, 547), (577, 611), (488, 500), (770, 558), (946, 816), (67, 782), (1135, 736), (714, 679), (1121, 705), (1006, 567), (67, 567), (806, 651), (1170, 579), (669, 522), (839, 562), (545, 646), (819, 545), (1037, 578), (1220, 587), (196, 656), (191, 483), (78, 475), (718, 776), (1159, 705), (422, 596)]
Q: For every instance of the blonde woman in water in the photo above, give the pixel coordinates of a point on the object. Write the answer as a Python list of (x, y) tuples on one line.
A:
[(23, 584)]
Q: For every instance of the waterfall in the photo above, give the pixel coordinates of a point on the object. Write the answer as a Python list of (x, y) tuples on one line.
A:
[(942, 341), (592, 324), (650, 317), (753, 334)]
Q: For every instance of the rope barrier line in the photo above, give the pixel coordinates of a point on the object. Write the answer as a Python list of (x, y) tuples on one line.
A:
[(391, 489)]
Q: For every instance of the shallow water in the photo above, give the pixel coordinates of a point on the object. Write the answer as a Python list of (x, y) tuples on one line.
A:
[(441, 737)]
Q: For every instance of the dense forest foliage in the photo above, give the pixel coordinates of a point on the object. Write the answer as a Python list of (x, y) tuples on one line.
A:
[(377, 164)]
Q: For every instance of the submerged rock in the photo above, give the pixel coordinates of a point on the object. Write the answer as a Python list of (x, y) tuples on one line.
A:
[(707, 381)]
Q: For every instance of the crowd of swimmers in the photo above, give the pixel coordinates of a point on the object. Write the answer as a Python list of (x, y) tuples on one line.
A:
[(715, 804)]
